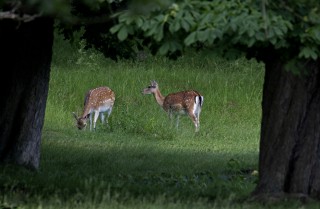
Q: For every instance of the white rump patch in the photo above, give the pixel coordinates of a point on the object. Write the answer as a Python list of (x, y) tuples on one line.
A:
[(198, 105), (199, 101)]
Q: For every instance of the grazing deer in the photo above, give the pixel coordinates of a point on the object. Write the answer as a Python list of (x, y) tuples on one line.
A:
[(97, 101), (184, 102)]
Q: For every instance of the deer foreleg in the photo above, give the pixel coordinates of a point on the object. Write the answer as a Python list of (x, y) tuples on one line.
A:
[(96, 115), (170, 116), (90, 121), (177, 121)]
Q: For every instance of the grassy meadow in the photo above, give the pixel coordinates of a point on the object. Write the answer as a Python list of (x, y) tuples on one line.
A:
[(140, 160)]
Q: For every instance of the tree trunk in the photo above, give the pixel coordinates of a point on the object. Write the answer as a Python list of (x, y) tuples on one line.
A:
[(289, 160), (25, 58)]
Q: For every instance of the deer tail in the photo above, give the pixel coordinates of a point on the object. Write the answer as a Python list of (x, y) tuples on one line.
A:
[(199, 101)]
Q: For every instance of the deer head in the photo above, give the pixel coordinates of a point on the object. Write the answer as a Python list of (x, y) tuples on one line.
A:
[(81, 123), (152, 88)]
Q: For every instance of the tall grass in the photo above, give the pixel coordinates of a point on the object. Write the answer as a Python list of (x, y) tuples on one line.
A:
[(140, 160), (232, 90)]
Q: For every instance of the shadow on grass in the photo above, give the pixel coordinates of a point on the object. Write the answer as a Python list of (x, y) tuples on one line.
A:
[(129, 168)]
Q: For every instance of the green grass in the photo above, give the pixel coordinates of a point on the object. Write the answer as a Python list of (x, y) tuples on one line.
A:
[(140, 160)]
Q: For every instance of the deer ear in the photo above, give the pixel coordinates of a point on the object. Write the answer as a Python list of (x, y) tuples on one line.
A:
[(75, 115), (154, 83)]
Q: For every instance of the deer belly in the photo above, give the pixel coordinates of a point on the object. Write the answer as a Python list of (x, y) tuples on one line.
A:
[(182, 112), (179, 111), (106, 106)]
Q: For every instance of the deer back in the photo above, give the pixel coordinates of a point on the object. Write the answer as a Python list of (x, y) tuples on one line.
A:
[(183, 101)]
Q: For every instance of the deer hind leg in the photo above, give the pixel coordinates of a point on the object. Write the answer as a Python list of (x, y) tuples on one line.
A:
[(109, 113), (102, 117), (197, 116), (194, 120), (197, 110)]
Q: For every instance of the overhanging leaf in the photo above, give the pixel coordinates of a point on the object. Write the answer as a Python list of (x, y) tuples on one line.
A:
[(185, 25), (190, 39), (163, 50), (308, 52), (123, 33), (115, 28)]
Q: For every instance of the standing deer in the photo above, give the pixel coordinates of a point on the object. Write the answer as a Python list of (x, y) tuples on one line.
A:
[(97, 101), (184, 102)]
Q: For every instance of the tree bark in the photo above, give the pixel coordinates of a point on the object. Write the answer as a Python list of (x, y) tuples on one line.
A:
[(289, 160), (25, 58)]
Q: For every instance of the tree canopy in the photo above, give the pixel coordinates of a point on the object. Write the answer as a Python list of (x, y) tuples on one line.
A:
[(230, 28)]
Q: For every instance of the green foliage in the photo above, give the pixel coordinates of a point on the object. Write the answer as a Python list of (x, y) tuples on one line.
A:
[(229, 27)]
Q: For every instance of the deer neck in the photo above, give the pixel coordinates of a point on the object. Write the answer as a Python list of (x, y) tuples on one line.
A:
[(159, 98), (86, 110), (85, 113)]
